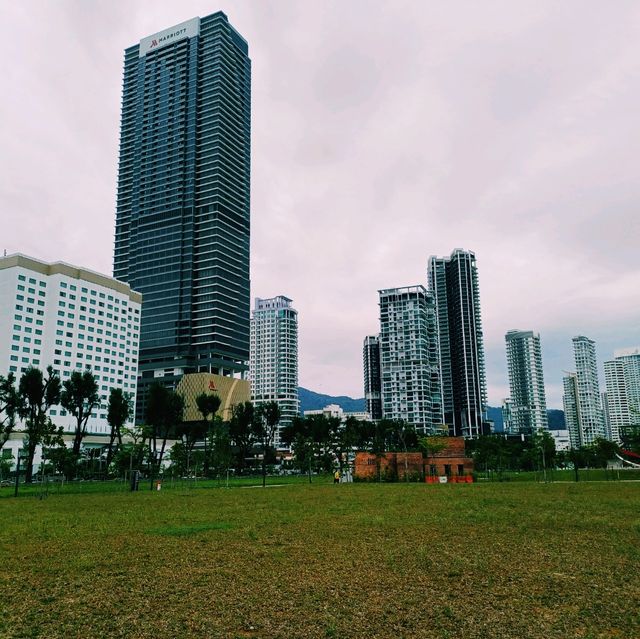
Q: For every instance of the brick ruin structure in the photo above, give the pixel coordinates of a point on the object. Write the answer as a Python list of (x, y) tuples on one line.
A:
[(450, 461)]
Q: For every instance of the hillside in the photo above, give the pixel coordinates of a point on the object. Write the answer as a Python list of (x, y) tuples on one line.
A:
[(310, 400)]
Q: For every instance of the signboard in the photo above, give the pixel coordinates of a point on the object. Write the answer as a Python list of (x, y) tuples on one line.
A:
[(443, 479), (181, 31)]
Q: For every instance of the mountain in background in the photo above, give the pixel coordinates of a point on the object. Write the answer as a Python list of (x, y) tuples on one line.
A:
[(315, 401), (309, 400)]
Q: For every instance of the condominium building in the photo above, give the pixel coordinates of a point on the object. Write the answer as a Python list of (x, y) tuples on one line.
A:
[(507, 417), (571, 410), (372, 380), (622, 381), (273, 370), (453, 282), (70, 318), (583, 408), (526, 382), (409, 358), (182, 222)]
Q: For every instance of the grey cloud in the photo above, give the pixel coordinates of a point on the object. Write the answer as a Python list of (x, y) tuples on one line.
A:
[(382, 133)]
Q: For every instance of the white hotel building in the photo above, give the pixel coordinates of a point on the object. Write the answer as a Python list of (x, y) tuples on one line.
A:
[(70, 318)]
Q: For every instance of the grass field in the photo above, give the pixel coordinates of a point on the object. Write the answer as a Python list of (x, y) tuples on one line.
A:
[(361, 560)]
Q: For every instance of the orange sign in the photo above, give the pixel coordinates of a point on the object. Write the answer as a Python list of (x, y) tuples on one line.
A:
[(212, 385)]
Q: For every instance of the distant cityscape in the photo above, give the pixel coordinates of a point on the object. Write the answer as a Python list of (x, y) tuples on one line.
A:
[(178, 303)]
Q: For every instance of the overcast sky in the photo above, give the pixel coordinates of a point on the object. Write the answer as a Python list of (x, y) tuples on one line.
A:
[(382, 133)]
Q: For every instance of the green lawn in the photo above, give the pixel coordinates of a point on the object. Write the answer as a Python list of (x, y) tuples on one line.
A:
[(361, 560)]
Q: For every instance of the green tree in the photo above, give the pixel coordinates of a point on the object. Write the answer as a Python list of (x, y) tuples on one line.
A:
[(220, 446), (8, 407), (299, 436), (379, 442), (165, 411), (208, 405), (80, 398), (404, 436), (265, 427), (345, 437), (36, 395), (431, 446), (241, 433), (119, 412), (603, 452), (61, 459)]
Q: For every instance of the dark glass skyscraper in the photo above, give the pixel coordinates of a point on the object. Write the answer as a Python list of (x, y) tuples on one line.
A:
[(453, 281), (182, 224), (372, 376)]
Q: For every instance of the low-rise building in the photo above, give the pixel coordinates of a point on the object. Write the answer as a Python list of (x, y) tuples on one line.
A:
[(449, 461)]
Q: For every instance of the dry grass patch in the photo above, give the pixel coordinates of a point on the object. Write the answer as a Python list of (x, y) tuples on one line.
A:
[(519, 560)]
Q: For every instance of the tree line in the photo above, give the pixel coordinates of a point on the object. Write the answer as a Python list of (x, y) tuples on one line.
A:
[(243, 443), (142, 447)]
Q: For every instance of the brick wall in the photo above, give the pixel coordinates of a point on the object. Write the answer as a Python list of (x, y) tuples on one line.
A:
[(450, 461)]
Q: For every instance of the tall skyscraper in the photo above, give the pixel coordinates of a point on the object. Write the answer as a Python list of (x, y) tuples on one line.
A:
[(526, 382), (182, 222), (409, 358), (585, 422), (372, 376), (622, 381), (571, 411), (273, 368), (453, 282)]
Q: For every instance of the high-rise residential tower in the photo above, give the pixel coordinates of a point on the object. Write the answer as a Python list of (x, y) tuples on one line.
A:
[(182, 223), (526, 382), (372, 382), (453, 282), (571, 408), (273, 370), (622, 381), (409, 358), (585, 422)]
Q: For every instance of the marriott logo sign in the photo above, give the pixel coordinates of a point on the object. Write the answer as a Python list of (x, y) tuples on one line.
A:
[(187, 29), (163, 40)]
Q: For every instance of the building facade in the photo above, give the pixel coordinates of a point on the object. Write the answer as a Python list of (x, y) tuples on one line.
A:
[(526, 382), (453, 282), (336, 411), (622, 382), (508, 425), (183, 219), (273, 370), (72, 319), (571, 411), (583, 408), (409, 358), (372, 378)]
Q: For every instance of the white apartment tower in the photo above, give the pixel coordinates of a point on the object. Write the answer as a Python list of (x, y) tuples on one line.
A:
[(622, 381), (273, 364), (526, 382), (70, 318), (585, 422), (409, 358)]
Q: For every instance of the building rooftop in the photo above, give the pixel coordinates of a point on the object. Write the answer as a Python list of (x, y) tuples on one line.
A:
[(75, 272)]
